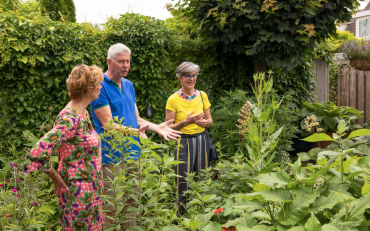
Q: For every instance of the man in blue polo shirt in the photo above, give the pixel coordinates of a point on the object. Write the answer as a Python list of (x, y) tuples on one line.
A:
[(117, 98)]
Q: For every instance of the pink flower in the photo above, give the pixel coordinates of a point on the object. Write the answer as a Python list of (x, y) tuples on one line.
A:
[(15, 165), (18, 195), (8, 215), (1, 185), (28, 171), (8, 181), (35, 204), (18, 180), (15, 190)]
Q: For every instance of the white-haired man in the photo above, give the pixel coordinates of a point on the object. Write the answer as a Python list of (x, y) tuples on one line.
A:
[(117, 98)]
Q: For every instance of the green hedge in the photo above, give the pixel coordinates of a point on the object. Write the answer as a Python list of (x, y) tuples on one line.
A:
[(37, 55)]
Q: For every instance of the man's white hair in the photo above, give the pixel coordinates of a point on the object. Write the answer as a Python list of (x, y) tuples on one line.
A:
[(116, 49)]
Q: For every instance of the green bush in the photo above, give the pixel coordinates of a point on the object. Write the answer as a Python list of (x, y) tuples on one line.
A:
[(37, 55)]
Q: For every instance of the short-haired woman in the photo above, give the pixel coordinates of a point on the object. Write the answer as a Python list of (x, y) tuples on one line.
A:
[(188, 107), (78, 182)]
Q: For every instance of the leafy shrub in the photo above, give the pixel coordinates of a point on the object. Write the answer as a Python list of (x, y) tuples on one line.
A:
[(225, 113)]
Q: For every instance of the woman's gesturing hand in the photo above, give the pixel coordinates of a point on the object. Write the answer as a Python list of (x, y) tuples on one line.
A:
[(201, 122), (191, 119)]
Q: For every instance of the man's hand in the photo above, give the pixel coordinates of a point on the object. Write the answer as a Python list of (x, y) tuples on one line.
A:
[(166, 132), (141, 131)]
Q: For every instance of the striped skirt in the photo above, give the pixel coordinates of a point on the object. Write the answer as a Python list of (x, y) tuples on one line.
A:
[(194, 152)]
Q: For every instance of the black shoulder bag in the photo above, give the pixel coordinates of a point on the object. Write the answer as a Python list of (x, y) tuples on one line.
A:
[(212, 149)]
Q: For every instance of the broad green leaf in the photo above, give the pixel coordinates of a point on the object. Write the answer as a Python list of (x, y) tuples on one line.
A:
[(194, 224), (318, 137), (213, 226), (330, 153), (312, 224), (24, 59), (357, 208), (329, 227), (297, 228), (172, 228), (366, 173), (231, 223), (256, 228), (41, 58), (11, 39), (270, 179), (365, 189), (278, 195), (248, 206), (296, 210), (322, 203), (359, 132), (205, 218)]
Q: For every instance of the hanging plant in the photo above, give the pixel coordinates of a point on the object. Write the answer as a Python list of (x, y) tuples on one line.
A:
[(358, 52)]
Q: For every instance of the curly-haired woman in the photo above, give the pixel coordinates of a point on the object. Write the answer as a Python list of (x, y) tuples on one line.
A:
[(78, 182)]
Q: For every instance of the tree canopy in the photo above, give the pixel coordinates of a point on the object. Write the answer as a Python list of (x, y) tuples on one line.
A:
[(275, 32), (65, 7)]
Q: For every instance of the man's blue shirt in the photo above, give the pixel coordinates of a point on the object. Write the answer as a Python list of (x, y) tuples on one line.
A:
[(122, 104)]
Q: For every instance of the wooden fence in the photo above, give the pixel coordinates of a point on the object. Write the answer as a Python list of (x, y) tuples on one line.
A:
[(354, 90), (353, 87), (321, 70)]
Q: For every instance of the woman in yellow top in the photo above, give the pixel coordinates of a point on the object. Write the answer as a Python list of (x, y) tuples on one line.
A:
[(190, 110)]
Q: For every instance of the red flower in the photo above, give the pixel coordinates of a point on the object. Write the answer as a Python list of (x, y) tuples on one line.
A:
[(15, 190), (18, 180), (35, 204), (8, 181), (1, 185), (18, 195), (15, 165), (8, 215), (219, 210), (226, 229)]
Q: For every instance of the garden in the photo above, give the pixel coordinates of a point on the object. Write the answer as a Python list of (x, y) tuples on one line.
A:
[(285, 162)]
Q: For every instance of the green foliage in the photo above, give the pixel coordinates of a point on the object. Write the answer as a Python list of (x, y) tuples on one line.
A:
[(325, 117), (37, 55), (226, 112), (27, 201), (153, 174), (289, 29), (59, 9), (333, 80)]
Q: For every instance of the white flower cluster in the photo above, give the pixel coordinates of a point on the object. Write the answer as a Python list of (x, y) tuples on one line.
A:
[(311, 124)]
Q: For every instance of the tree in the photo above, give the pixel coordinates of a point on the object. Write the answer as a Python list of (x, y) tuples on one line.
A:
[(274, 32), (56, 9)]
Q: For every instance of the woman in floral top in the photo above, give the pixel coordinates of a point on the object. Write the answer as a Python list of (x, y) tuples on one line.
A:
[(78, 182)]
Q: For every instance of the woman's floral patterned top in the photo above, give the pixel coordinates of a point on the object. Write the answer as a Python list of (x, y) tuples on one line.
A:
[(79, 164)]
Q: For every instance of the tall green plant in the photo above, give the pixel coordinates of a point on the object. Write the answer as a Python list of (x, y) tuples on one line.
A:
[(261, 135)]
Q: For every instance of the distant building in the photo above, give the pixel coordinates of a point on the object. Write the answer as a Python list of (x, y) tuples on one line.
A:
[(359, 24)]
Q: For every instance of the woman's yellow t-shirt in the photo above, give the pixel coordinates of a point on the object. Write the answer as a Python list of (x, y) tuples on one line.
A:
[(183, 108)]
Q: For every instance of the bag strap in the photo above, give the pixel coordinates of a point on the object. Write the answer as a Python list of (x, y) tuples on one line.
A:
[(200, 92)]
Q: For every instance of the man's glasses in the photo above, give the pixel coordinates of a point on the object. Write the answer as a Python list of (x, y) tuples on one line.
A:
[(188, 77)]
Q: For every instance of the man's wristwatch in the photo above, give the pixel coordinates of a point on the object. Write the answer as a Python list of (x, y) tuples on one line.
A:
[(183, 123)]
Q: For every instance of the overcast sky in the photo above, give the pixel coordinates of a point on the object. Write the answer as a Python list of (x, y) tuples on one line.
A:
[(97, 11)]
